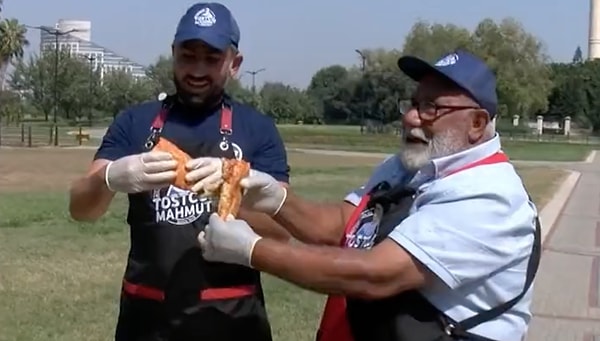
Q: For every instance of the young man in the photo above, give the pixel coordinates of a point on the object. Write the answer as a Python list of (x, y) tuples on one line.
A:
[(169, 291)]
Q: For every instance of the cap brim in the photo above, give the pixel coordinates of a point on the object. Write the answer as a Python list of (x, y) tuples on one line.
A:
[(416, 68), (219, 43)]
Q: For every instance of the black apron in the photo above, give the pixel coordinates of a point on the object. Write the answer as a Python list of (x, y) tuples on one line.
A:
[(170, 293), (407, 316)]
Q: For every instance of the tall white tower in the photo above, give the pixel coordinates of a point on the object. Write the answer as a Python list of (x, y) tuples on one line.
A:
[(594, 34)]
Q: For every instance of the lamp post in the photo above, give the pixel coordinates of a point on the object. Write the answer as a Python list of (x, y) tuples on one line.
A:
[(91, 59), (363, 68), (56, 33), (254, 73)]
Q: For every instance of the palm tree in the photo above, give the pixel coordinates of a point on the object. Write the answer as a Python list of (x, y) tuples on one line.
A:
[(12, 45)]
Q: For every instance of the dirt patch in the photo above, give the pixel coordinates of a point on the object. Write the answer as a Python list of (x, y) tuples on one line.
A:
[(305, 160), (35, 169), (38, 169)]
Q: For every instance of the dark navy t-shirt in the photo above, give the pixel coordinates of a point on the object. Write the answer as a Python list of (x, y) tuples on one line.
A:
[(255, 137)]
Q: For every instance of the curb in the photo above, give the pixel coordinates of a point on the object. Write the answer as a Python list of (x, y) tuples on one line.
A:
[(551, 213), (591, 156), (553, 209)]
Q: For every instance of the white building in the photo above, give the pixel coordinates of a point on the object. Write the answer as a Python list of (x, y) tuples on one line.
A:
[(75, 35)]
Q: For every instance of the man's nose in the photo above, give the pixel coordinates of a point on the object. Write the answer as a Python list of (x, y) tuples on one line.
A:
[(411, 118)]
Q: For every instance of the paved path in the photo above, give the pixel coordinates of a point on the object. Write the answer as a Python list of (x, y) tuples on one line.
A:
[(566, 300)]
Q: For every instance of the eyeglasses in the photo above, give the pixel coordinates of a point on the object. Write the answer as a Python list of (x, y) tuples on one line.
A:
[(429, 111)]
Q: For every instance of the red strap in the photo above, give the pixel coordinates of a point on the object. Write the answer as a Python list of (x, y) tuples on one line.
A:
[(226, 120), (143, 291), (226, 124), (225, 293), (155, 294), (159, 120), (498, 157)]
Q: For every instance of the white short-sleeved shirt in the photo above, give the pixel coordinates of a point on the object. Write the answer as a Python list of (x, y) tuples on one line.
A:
[(474, 230)]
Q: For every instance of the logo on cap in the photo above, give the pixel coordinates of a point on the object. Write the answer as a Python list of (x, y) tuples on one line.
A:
[(205, 18), (450, 59)]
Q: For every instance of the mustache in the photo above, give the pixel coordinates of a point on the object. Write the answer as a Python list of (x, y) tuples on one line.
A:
[(416, 134)]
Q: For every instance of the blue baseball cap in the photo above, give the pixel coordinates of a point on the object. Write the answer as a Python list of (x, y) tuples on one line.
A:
[(461, 68), (210, 22)]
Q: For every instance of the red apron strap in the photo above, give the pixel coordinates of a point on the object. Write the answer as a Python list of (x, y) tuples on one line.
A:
[(334, 323), (155, 294), (159, 121), (226, 127), (498, 157)]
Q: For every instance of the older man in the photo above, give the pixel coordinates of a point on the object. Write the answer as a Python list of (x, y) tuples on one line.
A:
[(442, 242)]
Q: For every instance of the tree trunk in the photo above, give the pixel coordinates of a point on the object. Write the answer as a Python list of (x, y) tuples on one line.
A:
[(3, 72)]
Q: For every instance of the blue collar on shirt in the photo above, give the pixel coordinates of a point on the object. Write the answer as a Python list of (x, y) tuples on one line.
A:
[(440, 167)]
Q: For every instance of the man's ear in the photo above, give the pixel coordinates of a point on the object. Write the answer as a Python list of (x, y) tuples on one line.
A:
[(236, 63), (479, 122)]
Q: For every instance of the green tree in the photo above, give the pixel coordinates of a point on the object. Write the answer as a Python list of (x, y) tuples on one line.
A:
[(161, 75), (287, 104), (520, 63), (120, 90), (567, 97), (331, 90), (12, 44), (588, 75), (11, 110), (430, 41), (241, 94), (379, 88), (36, 79)]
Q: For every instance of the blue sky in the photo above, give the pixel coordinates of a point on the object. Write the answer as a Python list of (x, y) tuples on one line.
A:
[(293, 39)]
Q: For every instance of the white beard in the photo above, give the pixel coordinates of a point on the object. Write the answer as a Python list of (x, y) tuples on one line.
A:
[(416, 155)]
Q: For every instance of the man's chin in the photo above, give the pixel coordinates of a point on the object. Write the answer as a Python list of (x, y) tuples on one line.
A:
[(414, 157), (193, 99)]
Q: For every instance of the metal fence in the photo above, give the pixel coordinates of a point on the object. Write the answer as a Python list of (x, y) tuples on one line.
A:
[(28, 135), (35, 135)]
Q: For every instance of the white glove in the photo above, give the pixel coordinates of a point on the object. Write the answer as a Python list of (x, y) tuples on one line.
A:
[(206, 173), (263, 193), (230, 241), (140, 172)]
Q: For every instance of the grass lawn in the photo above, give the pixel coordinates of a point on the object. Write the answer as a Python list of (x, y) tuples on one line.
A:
[(60, 280), (345, 138)]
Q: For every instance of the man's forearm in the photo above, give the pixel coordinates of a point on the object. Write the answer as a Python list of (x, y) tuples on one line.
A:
[(311, 222), (264, 225), (324, 269), (89, 196)]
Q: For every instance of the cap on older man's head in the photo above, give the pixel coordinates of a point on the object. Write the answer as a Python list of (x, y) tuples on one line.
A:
[(210, 22), (462, 68)]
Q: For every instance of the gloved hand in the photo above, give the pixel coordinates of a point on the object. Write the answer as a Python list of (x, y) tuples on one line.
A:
[(231, 241), (140, 172), (206, 173), (263, 193)]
